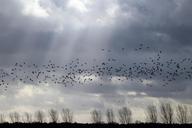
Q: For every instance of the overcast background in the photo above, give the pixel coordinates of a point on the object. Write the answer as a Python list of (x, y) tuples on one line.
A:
[(61, 30)]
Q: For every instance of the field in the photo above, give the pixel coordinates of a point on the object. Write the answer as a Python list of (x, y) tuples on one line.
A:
[(77, 125)]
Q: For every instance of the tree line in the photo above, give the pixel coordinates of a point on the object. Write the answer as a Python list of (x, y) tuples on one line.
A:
[(164, 113), (39, 116)]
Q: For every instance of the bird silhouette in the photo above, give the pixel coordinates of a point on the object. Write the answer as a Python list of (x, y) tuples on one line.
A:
[(79, 72)]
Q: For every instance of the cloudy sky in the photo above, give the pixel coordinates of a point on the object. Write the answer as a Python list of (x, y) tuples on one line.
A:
[(39, 30)]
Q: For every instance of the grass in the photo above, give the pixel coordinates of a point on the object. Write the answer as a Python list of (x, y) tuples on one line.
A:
[(77, 125)]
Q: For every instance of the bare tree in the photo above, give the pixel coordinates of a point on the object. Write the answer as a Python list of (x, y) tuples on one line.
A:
[(14, 117), (2, 118), (40, 116), (27, 117), (182, 114), (190, 114), (152, 114), (12, 120), (125, 115), (110, 116), (96, 116), (166, 113), (67, 115), (54, 116)]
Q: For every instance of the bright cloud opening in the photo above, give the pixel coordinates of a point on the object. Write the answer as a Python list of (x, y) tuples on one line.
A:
[(78, 5), (34, 8)]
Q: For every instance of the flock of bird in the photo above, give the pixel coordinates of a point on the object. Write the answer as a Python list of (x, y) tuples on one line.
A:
[(78, 72)]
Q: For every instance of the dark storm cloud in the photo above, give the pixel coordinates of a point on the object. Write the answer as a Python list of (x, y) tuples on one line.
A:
[(17, 30), (163, 24), (21, 36), (9, 39), (138, 22)]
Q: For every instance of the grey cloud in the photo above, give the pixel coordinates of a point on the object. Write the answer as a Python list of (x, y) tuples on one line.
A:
[(154, 24)]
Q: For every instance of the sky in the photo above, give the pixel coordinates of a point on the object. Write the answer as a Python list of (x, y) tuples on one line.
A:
[(36, 31)]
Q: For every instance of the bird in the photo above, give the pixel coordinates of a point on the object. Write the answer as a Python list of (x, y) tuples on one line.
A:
[(80, 72)]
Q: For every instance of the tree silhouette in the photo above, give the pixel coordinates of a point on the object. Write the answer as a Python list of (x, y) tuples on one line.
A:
[(40, 116), (14, 117), (27, 117), (190, 114), (96, 116), (67, 115), (182, 114), (125, 115), (152, 114), (2, 118), (166, 113), (54, 116), (110, 116)]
